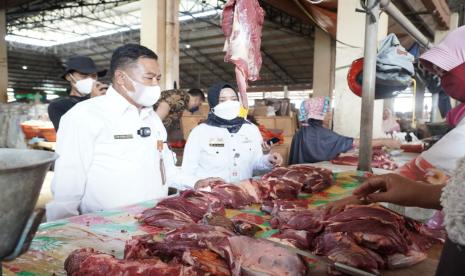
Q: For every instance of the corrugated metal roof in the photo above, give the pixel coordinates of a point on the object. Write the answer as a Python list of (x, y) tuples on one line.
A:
[(287, 44)]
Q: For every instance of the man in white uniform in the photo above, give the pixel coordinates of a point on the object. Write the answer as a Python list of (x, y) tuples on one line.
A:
[(111, 150)]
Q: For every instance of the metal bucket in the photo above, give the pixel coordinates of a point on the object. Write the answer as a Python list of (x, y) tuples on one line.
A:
[(22, 173)]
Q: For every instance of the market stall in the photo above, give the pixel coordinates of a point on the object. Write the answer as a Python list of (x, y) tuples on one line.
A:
[(372, 10), (126, 239), (107, 231)]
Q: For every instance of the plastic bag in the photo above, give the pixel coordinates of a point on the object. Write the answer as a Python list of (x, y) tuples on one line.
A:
[(437, 221)]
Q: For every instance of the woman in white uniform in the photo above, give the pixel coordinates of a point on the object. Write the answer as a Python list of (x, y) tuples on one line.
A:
[(225, 146)]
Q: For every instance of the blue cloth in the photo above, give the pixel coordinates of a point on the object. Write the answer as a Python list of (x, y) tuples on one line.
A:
[(316, 143), (414, 50), (444, 103), (394, 65)]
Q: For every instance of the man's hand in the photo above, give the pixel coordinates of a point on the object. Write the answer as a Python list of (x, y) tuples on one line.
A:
[(98, 89), (275, 159), (397, 189), (206, 182)]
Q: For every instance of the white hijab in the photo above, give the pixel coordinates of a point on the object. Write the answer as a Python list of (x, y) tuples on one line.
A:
[(390, 124)]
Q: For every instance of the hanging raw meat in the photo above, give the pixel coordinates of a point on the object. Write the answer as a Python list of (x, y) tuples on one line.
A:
[(242, 27)]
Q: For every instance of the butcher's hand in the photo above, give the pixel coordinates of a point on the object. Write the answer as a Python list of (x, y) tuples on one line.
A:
[(266, 148), (393, 144), (338, 206), (396, 189), (384, 142), (98, 89), (203, 183), (275, 159)]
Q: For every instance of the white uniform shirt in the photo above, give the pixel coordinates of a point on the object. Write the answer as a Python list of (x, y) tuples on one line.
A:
[(103, 163), (214, 152)]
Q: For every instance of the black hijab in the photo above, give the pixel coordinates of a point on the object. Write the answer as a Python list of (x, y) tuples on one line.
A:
[(234, 125)]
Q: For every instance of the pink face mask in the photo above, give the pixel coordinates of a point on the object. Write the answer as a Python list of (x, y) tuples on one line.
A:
[(453, 83)]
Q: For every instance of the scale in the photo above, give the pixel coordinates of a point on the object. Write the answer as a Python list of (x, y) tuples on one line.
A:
[(22, 173)]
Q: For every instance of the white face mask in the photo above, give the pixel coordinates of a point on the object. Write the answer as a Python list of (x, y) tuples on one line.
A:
[(84, 86), (227, 110), (143, 94)]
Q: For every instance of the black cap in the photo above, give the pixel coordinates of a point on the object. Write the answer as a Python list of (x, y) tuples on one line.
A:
[(84, 65)]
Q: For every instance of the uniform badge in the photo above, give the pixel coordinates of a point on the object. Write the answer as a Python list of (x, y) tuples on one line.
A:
[(123, 136), (216, 142)]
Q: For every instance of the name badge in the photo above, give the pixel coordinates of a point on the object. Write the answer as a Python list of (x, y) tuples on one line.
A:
[(216, 143), (123, 136)]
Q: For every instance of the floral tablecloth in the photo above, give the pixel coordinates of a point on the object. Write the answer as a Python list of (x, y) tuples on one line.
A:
[(107, 231)]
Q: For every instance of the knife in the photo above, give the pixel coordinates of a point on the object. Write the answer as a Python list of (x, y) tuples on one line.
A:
[(350, 270)]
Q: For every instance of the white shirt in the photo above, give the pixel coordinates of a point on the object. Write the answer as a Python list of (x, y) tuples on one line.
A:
[(214, 152), (446, 152), (103, 163)]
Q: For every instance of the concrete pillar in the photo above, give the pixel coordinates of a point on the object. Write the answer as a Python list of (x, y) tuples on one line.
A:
[(389, 103), (419, 100), (3, 56), (351, 31), (172, 43), (286, 92), (323, 64), (435, 114), (160, 33)]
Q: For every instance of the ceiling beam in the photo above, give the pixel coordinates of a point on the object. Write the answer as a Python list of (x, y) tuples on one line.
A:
[(194, 79), (205, 56), (416, 19), (441, 12), (203, 65), (27, 73), (276, 88), (281, 68)]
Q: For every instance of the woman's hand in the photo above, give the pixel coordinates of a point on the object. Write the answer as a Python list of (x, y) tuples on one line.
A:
[(385, 142), (266, 148), (275, 159), (392, 144), (206, 182), (397, 189), (338, 206)]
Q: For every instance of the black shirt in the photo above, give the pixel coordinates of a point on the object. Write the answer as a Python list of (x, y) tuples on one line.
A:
[(452, 259), (59, 107), (315, 143)]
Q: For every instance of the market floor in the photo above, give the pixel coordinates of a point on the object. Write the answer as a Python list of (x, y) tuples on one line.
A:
[(45, 193)]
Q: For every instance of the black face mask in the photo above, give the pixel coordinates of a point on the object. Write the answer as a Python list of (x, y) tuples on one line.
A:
[(194, 109)]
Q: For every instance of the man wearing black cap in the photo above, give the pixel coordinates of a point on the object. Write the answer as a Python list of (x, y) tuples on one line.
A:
[(82, 74)]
